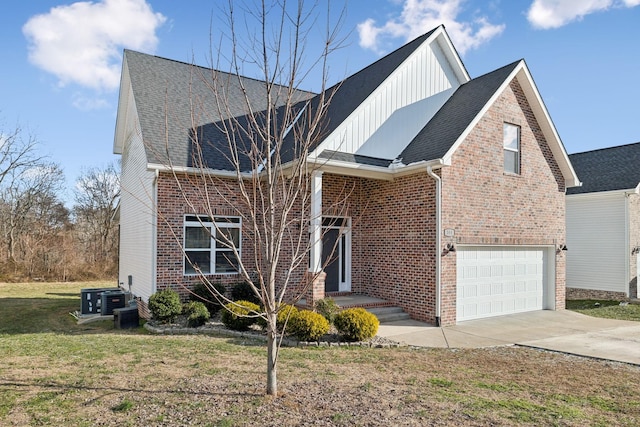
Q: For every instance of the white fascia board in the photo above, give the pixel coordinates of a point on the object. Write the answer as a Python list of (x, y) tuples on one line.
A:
[(197, 171), (546, 124), (604, 194), (440, 37), (373, 172), (521, 72), (122, 113)]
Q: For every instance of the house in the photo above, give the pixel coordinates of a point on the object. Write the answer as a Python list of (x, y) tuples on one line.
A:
[(603, 224), (458, 184)]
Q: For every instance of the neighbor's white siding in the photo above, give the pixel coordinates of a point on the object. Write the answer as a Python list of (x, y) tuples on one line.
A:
[(137, 219), (392, 116), (597, 242)]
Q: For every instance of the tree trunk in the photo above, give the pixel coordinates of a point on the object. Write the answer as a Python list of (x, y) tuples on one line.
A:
[(272, 354)]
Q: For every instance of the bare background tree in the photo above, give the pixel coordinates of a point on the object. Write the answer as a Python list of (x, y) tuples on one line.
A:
[(267, 149), (96, 199), (39, 238)]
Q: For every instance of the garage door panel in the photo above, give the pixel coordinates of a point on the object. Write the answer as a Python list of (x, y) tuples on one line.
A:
[(495, 281)]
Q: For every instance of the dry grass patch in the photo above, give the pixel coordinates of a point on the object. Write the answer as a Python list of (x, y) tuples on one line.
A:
[(95, 375)]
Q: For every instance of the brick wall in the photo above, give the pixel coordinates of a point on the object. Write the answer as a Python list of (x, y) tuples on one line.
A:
[(393, 237), (193, 197), (575, 293), (486, 206)]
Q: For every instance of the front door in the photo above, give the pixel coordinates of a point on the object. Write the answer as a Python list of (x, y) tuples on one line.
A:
[(335, 254)]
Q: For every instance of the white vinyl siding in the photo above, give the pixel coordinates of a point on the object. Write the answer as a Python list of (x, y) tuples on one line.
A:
[(597, 242), (137, 220), (384, 124), (493, 281)]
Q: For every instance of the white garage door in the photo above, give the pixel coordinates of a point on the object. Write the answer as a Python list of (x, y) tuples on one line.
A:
[(500, 280)]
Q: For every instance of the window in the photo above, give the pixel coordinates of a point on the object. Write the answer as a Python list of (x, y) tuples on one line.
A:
[(208, 244), (511, 141)]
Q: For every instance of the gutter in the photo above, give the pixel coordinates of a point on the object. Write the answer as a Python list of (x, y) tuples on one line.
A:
[(438, 181)]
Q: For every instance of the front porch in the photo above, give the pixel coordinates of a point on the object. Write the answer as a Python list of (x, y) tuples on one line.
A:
[(385, 311)]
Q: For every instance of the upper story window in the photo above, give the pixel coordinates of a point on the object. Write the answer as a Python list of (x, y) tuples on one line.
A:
[(209, 243), (511, 144)]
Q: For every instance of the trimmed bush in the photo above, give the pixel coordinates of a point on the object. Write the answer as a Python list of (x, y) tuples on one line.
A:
[(356, 324), (281, 317), (240, 315), (242, 292), (197, 313), (328, 308), (308, 325), (165, 305), (205, 295)]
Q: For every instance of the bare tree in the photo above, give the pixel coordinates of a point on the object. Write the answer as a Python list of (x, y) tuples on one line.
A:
[(96, 199), (30, 206), (17, 151), (267, 149)]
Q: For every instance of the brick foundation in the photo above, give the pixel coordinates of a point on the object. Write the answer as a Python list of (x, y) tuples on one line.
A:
[(575, 293)]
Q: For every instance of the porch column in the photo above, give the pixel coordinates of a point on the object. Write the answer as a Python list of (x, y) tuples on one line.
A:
[(315, 275), (315, 226)]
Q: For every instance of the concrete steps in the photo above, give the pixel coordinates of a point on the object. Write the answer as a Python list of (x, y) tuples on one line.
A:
[(389, 314)]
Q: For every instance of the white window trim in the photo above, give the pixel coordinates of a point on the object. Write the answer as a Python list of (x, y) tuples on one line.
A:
[(205, 221), (344, 283), (517, 150)]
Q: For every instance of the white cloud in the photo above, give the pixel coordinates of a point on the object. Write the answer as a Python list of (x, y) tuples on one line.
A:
[(84, 103), (81, 43), (546, 14), (420, 16)]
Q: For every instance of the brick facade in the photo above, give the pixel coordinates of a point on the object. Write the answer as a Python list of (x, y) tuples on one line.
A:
[(393, 224), (486, 206)]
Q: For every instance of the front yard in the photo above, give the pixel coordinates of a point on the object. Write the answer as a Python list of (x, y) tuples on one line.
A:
[(55, 372)]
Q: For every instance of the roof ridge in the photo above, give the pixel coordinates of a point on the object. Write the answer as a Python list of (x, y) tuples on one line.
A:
[(242, 76)]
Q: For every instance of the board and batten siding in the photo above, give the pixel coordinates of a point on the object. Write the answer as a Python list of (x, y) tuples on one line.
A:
[(137, 218), (597, 228), (396, 111)]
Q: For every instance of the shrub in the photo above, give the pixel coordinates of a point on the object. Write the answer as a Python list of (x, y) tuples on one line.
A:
[(308, 325), (242, 292), (240, 315), (285, 311), (204, 294), (328, 308), (356, 324), (197, 313), (165, 305)]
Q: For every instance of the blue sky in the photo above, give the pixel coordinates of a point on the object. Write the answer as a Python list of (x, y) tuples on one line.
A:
[(62, 59)]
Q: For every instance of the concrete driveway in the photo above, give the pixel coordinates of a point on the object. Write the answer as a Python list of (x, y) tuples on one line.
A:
[(564, 331)]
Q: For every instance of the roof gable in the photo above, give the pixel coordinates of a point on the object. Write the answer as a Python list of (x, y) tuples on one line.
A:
[(456, 116), (440, 138), (607, 169), (175, 101), (407, 86)]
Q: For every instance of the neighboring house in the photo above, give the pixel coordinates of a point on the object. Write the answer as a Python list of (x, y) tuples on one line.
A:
[(457, 184), (603, 224)]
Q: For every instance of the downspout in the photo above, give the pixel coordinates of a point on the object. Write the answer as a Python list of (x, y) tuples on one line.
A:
[(438, 239), (154, 233)]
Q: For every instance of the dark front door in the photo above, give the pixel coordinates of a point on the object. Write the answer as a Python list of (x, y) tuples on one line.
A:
[(331, 259)]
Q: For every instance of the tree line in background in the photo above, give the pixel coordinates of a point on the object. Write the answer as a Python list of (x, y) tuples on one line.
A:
[(40, 237)]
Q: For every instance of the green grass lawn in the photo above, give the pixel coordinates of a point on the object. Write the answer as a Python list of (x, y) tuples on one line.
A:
[(56, 372), (605, 309)]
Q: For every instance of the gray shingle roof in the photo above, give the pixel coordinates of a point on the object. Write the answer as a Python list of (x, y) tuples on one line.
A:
[(607, 169), (354, 158), (347, 95), (176, 98), (446, 126)]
